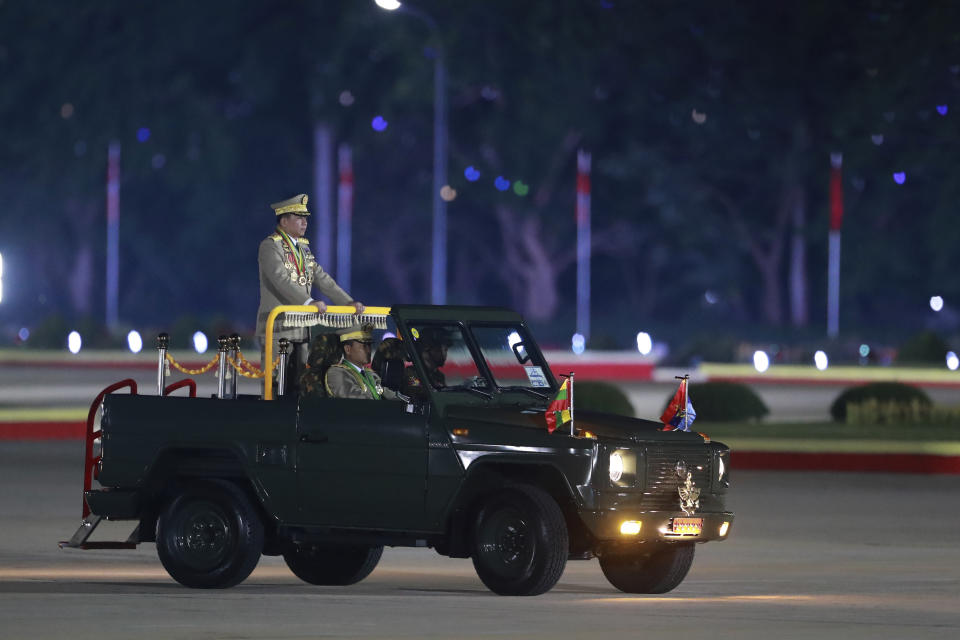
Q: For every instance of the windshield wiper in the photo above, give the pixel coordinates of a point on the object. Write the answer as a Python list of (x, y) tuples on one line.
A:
[(527, 390), (479, 392)]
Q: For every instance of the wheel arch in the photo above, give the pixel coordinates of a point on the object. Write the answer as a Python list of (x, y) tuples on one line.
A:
[(486, 477), (176, 467)]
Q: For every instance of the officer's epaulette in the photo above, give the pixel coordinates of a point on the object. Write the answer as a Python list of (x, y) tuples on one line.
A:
[(275, 237), (303, 241)]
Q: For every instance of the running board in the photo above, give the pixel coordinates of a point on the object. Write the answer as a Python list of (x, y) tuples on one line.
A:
[(79, 539)]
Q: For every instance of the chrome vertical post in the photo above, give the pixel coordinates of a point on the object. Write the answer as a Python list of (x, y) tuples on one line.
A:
[(222, 373), (163, 342), (284, 344), (234, 352)]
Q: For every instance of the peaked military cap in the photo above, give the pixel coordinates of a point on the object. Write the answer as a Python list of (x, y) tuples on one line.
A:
[(296, 204), (360, 334)]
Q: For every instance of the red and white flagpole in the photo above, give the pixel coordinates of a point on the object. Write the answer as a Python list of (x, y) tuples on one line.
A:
[(833, 264), (583, 244), (113, 233), (344, 214)]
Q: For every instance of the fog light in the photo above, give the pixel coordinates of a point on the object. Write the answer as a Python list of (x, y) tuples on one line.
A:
[(630, 527), (724, 528)]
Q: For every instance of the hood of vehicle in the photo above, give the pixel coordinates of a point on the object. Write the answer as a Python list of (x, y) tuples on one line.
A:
[(603, 425)]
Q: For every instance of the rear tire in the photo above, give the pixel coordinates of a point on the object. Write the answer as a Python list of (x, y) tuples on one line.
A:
[(209, 536), (520, 542), (659, 572), (332, 565)]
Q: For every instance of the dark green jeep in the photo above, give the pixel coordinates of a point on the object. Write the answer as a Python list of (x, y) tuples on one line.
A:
[(466, 467)]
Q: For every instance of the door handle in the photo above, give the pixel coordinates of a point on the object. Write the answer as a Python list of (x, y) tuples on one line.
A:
[(318, 440)]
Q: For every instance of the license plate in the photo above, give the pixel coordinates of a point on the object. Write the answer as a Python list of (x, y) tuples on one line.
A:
[(687, 526)]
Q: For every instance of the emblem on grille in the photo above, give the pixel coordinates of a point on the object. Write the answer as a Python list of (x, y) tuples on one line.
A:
[(689, 493)]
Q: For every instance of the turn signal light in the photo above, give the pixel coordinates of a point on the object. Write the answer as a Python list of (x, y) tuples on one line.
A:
[(459, 431), (724, 528), (630, 527)]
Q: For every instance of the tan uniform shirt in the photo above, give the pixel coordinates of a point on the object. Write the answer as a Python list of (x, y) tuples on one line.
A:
[(279, 284), (343, 380)]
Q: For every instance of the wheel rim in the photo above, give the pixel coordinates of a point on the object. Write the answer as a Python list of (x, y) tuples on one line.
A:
[(506, 543), (204, 536)]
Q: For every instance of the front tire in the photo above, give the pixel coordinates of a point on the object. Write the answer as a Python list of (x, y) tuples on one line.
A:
[(209, 536), (659, 572), (332, 565), (520, 542)]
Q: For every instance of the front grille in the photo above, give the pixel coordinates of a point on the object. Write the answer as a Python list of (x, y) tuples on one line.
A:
[(660, 489)]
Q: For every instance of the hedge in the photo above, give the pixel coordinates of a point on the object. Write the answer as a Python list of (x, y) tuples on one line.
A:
[(883, 393)]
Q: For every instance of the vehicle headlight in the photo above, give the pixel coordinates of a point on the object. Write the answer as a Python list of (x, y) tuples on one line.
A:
[(723, 468), (616, 466), (622, 468)]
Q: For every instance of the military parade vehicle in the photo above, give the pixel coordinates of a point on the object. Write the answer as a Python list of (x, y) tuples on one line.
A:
[(465, 465)]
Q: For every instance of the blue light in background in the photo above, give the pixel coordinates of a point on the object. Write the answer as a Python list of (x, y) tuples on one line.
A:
[(899, 177), (200, 342), (379, 123), (501, 183), (578, 343), (143, 134), (942, 109), (23, 334), (471, 173)]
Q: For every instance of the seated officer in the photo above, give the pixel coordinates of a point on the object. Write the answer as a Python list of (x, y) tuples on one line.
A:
[(350, 378), (325, 351), (432, 345)]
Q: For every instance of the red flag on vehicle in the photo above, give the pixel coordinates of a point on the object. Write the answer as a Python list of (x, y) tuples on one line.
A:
[(679, 413)]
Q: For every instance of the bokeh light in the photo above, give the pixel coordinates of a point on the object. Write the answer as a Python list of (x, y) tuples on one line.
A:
[(899, 177), (644, 343), (23, 334), (389, 5), (936, 303), (471, 174), (942, 109), (761, 361), (66, 110), (143, 134), (134, 341), (952, 361), (200, 342), (74, 342), (864, 350), (520, 188), (448, 193), (379, 123), (820, 360), (501, 183), (877, 139), (578, 343), (346, 98), (698, 116)]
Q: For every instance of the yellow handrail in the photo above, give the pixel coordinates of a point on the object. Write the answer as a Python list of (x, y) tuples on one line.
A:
[(302, 308)]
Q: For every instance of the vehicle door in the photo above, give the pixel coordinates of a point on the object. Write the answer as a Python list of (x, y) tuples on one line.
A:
[(361, 463)]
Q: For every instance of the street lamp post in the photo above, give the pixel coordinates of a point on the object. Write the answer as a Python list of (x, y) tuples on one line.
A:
[(438, 274)]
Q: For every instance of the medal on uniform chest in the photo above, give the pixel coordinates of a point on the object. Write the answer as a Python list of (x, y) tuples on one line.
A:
[(294, 260)]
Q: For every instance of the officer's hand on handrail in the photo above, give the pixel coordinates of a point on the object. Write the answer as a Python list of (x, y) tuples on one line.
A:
[(319, 304), (359, 306)]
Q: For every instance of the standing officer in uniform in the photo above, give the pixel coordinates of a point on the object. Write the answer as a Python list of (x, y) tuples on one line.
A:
[(288, 273), (350, 378)]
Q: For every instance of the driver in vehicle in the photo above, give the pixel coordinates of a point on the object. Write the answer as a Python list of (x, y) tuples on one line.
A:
[(350, 378), (432, 345)]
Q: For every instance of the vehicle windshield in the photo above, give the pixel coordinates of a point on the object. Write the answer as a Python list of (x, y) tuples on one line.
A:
[(504, 348), (445, 355)]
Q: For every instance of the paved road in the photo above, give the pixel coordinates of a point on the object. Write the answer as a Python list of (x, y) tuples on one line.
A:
[(811, 556)]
